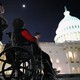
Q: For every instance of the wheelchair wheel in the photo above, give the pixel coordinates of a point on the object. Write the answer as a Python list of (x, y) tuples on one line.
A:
[(20, 67)]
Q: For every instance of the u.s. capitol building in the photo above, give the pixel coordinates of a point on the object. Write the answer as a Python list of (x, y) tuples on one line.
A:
[(65, 52)]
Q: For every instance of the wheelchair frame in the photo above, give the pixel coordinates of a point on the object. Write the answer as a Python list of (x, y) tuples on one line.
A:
[(23, 66)]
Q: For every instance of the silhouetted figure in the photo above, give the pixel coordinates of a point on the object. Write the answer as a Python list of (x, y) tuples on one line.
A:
[(3, 21)]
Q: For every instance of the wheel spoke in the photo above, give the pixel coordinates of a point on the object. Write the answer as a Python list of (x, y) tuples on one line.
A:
[(9, 68), (26, 68), (12, 74), (2, 60)]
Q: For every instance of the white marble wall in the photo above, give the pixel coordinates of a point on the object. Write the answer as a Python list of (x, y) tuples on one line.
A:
[(58, 55)]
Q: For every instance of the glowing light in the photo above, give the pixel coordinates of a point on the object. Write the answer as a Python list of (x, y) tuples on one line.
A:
[(70, 55), (73, 68), (23, 5), (57, 60), (59, 68)]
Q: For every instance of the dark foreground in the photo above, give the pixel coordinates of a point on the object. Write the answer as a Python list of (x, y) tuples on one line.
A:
[(62, 77), (69, 77)]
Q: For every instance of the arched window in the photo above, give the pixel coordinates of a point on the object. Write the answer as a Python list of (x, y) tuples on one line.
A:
[(72, 26), (78, 26), (75, 26), (69, 27)]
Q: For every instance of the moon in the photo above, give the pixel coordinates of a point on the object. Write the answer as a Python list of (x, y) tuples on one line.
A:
[(23, 5)]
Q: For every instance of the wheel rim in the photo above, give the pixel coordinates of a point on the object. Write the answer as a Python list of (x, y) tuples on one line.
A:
[(23, 65)]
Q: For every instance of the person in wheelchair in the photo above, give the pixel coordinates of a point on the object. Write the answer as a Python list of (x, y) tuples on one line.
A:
[(24, 37)]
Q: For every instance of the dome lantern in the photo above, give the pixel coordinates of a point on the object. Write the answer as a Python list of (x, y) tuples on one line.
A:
[(66, 13)]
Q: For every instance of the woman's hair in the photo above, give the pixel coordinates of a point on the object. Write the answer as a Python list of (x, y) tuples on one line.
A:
[(18, 23)]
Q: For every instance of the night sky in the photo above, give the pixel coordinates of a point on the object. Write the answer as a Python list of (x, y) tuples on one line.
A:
[(39, 15)]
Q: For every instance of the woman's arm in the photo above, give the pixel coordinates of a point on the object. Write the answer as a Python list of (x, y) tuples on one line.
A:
[(28, 36)]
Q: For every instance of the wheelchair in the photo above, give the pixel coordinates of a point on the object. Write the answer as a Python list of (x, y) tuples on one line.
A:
[(20, 64)]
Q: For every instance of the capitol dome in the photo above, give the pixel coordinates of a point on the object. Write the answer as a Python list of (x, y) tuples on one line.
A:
[(68, 29)]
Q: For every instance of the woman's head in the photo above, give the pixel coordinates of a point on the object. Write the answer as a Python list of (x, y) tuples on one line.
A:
[(1, 8), (18, 23)]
